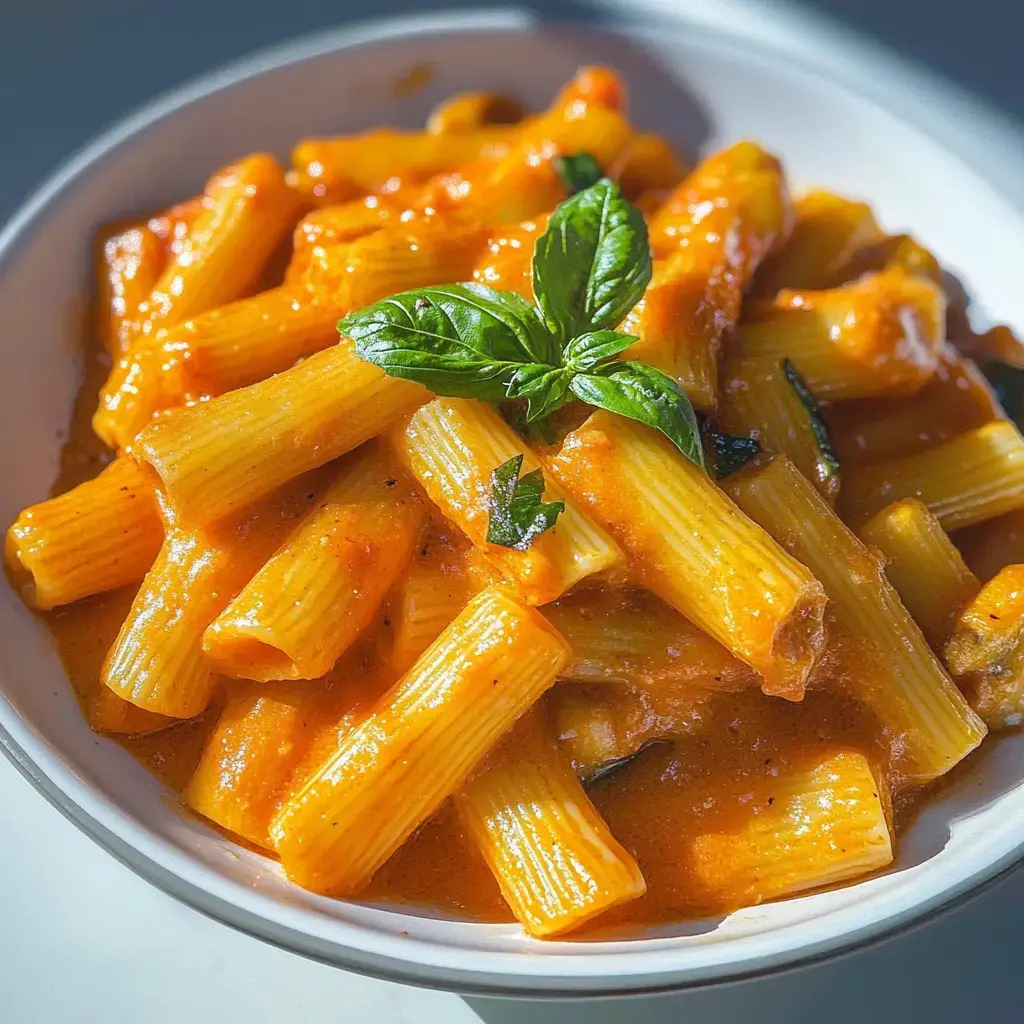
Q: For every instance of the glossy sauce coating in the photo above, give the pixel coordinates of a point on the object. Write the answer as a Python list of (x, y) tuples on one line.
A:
[(705, 781)]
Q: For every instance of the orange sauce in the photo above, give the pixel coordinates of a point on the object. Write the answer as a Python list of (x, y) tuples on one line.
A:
[(703, 781)]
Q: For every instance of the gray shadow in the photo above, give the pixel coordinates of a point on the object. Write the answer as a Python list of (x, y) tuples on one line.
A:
[(962, 967), (977, 46)]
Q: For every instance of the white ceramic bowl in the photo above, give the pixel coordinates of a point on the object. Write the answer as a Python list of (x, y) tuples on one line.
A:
[(701, 89)]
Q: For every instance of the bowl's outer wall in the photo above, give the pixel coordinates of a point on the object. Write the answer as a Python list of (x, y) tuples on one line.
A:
[(700, 91)]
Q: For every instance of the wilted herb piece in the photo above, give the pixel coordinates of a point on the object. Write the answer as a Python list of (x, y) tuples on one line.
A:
[(727, 453), (829, 458)]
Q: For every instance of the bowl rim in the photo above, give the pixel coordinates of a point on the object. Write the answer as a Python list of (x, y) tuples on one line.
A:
[(398, 957)]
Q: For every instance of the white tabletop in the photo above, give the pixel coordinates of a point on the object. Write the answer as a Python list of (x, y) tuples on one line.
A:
[(83, 940)]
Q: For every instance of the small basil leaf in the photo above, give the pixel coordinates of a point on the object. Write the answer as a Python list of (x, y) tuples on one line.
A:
[(1008, 383), (463, 340), (579, 171), (545, 389), (587, 350), (518, 513), (826, 450), (647, 395), (592, 264), (729, 452)]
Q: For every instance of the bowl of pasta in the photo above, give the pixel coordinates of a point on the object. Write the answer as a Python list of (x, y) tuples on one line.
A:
[(549, 531)]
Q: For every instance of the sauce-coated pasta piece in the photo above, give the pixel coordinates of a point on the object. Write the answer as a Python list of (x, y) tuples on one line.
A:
[(696, 550), (422, 740)]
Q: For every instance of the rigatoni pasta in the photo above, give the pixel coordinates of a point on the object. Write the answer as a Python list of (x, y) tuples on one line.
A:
[(470, 544), (101, 535), (547, 845), (957, 399), (985, 649), (882, 656), (766, 398), (696, 550), (923, 565), (247, 211), (452, 446), (227, 348), (828, 230), (324, 585), (265, 735), (977, 476), (824, 823), (221, 456), (418, 746), (879, 335), (712, 233)]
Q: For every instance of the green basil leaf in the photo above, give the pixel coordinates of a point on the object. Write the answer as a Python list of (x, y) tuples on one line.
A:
[(579, 171), (1008, 383), (518, 513), (587, 350), (545, 389), (729, 452), (592, 264), (647, 395), (462, 340), (826, 450)]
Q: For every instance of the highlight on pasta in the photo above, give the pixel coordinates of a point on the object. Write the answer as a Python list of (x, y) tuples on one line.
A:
[(505, 519)]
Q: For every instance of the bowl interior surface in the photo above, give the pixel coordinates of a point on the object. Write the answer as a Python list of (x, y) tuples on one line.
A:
[(701, 91)]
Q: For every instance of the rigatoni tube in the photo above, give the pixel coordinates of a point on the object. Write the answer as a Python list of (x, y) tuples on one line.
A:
[(422, 740), (322, 588), (827, 231), (224, 454), (100, 535), (333, 170), (815, 825), (157, 660), (255, 755), (224, 349), (452, 445), (880, 654), (957, 399), (556, 862), (976, 476), (129, 265), (986, 649), (247, 211), (709, 237), (634, 638), (759, 398), (696, 550), (880, 335), (425, 601), (923, 565)]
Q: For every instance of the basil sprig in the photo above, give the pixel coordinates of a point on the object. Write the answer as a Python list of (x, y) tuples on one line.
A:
[(590, 267), (518, 513), (578, 172)]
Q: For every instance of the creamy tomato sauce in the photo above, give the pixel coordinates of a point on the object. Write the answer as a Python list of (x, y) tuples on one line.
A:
[(704, 782)]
